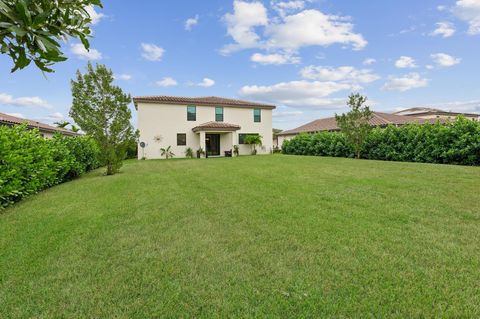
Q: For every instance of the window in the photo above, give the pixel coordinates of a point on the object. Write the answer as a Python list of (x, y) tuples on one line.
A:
[(181, 139), (243, 136), (191, 113), (219, 114), (257, 115)]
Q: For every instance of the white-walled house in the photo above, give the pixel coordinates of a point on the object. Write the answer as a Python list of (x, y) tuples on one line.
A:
[(211, 123)]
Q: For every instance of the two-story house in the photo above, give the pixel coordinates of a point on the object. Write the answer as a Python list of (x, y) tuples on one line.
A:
[(211, 123)]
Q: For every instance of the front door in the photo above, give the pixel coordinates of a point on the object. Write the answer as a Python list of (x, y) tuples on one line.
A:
[(212, 146)]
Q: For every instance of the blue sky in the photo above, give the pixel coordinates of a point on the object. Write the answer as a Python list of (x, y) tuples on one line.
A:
[(303, 56)]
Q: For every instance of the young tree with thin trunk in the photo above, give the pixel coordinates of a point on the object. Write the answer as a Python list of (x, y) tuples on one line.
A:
[(101, 110), (355, 124)]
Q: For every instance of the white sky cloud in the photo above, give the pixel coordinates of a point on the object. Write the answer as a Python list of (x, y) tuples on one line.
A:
[(32, 101), (166, 82), (20, 115), (152, 52), (312, 28), (289, 32), (94, 15), (405, 82), (445, 60), (298, 93), (285, 7), (79, 50), (276, 58), (369, 61), (347, 74), (240, 25), (123, 77), (469, 11), (191, 22), (444, 29), (206, 82), (405, 62), (56, 116), (284, 114)]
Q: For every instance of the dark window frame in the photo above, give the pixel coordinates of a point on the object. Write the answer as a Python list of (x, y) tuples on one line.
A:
[(219, 116), (242, 136), (182, 142), (192, 116), (257, 118)]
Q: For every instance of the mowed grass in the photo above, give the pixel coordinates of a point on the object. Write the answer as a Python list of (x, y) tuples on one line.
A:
[(260, 236)]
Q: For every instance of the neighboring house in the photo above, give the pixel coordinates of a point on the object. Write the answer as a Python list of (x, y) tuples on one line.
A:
[(275, 132), (430, 113), (46, 130), (378, 119), (211, 123)]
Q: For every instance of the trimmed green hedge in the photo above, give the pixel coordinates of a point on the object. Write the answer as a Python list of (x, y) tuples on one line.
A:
[(29, 163), (457, 143)]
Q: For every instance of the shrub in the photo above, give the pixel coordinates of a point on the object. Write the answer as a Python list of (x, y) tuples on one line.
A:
[(29, 163), (455, 142)]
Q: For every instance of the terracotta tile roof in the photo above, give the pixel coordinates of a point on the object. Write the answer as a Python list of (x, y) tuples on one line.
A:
[(379, 119), (13, 120), (216, 126), (207, 100), (422, 111)]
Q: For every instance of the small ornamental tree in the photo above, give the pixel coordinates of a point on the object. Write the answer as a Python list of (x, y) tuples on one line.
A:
[(101, 110), (253, 140), (30, 29), (355, 124)]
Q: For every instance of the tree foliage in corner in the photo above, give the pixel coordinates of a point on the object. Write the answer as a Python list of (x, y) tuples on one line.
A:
[(30, 29), (101, 110), (355, 124)]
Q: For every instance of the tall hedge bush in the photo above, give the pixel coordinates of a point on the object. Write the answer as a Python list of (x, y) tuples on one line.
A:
[(457, 143), (29, 163)]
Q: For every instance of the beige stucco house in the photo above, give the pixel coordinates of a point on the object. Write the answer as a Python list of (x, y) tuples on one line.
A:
[(213, 124)]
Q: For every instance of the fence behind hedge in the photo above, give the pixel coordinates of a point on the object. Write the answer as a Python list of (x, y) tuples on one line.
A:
[(457, 142), (29, 163)]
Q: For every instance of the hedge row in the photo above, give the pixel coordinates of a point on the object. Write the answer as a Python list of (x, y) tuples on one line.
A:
[(457, 143), (29, 163)]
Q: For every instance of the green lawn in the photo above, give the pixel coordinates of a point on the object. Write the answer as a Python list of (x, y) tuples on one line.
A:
[(259, 236)]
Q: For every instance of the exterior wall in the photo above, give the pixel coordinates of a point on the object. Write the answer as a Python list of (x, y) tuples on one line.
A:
[(283, 138), (165, 121), (47, 135)]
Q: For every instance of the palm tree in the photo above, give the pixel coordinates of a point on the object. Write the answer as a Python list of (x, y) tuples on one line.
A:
[(74, 128), (253, 140), (167, 152), (189, 152), (62, 124)]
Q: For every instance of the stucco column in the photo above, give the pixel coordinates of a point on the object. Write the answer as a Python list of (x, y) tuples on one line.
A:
[(233, 138), (202, 142)]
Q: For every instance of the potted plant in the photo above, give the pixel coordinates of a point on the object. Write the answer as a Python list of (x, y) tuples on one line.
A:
[(253, 140), (167, 152), (236, 150), (189, 152), (200, 152)]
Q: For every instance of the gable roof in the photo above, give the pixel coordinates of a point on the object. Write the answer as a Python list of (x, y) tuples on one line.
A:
[(379, 119), (206, 100), (216, 126), (13, 120), (417, 111)]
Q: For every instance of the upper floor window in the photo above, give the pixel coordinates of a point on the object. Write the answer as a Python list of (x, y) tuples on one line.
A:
[(257, 115), (219, 114), (191, 113)]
